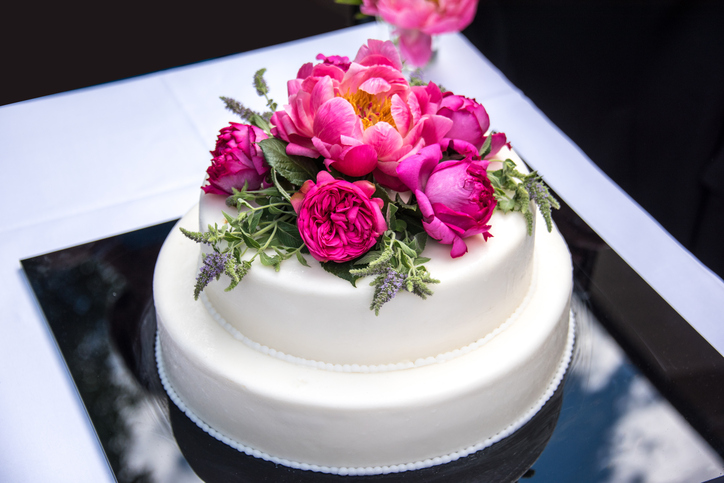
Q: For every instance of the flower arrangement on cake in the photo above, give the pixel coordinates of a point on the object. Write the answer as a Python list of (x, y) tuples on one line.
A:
[(358, 170)]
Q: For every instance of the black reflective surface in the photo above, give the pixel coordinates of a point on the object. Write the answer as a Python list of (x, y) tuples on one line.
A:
[(606, 423)]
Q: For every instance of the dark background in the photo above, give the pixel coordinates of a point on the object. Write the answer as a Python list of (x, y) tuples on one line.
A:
[(638, 85)]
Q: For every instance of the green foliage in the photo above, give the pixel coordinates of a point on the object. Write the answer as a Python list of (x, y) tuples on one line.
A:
[(265, 228), (396, 262), (262, 89), (514, 191), (295, 169)]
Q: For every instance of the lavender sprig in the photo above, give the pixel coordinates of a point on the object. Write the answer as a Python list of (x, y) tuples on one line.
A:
[(387, 284), (206, 238), (398, 266), (539, 194), (213, 265), (240, 109)]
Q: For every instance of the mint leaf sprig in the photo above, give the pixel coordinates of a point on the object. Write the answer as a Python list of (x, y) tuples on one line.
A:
[(260, 120), (514, 191), (397, 261), (266, 223)]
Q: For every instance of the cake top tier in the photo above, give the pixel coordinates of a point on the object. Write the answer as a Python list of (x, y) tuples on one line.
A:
[(389, 183)]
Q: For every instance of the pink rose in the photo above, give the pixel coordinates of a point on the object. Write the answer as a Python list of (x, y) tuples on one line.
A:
[(470, 123), (237, 160), (417, 20), (338, 220), (455, 197), (363, 119)]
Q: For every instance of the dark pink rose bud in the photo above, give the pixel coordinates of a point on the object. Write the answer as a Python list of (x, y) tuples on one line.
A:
[(338, 220), (455, 197), (238, 160)]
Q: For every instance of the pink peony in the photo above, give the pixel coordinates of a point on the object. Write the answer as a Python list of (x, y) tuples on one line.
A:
[(416, 21), (361, 119), (338, 220), (237, 160), (455, 197)]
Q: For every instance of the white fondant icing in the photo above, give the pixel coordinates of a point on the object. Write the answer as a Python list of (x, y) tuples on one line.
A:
[(372, 367), (369, 422), (368, 470)]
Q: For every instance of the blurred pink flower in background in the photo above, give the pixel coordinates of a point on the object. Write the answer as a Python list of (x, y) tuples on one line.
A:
[(416, 21)]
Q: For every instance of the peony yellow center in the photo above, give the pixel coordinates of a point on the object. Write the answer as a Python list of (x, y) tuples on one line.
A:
[(370, 108)]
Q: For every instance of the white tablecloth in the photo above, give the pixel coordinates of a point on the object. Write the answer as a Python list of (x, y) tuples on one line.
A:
[(97, 162)]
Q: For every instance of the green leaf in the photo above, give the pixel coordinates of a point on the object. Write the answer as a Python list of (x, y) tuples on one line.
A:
[(253, 221), (381, 193), (288, 235), (258, 121), (273, 261), (410, 252), (368, 257), (391, 211), (506, 205), (228, 217), (249, 241), (341, 270), (418, 242), (301, 259), (486, 147), (295, 169), (400, 225), (278, 186)]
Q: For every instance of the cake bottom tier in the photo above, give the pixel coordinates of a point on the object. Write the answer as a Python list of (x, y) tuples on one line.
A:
[(356, 422)]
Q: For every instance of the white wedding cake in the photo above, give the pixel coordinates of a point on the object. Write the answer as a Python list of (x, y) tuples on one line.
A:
[(292, 365), (294, 368)]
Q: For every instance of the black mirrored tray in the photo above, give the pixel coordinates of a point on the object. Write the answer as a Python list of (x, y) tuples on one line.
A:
[(643, 399)]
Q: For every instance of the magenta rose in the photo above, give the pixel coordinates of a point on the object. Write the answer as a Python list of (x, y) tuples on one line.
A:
[(238, 160), (338, 220), (455, 197), (470, 124)]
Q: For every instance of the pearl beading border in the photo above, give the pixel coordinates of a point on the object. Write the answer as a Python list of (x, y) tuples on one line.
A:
[(378, 470)]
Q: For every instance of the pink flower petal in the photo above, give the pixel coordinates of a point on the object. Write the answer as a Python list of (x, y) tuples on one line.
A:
[(384, 139), (323, 91), (334, 118), (389, 181), (375, 85), (401, 114), (415, 46), (415, 170), (359, 161)]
